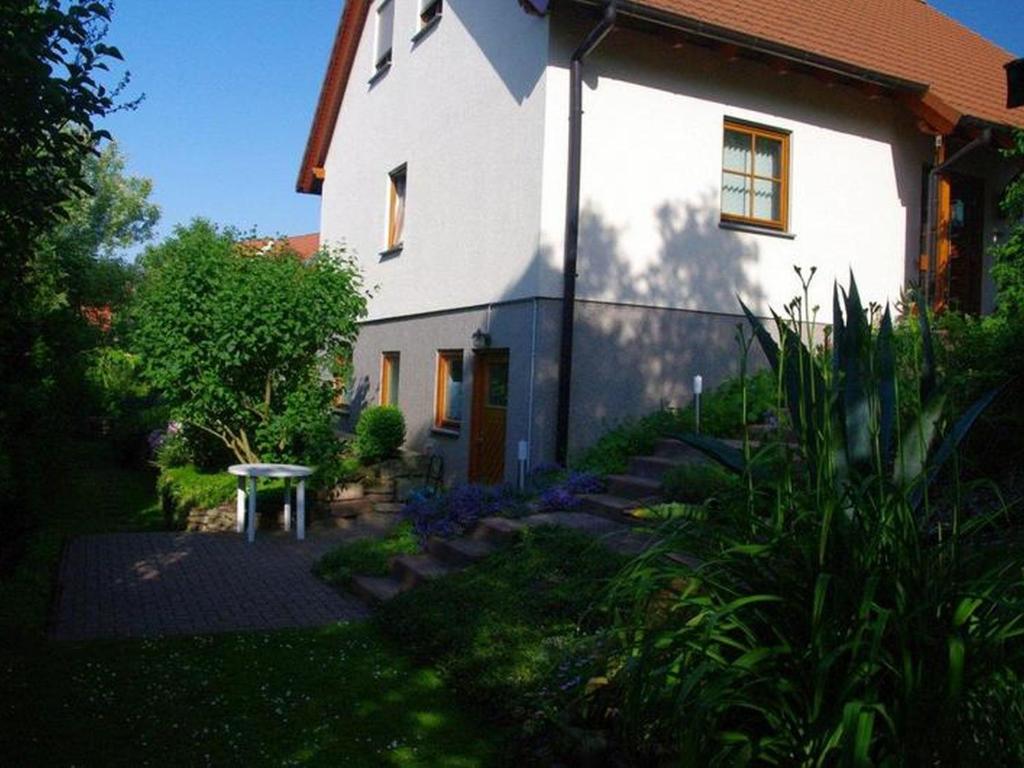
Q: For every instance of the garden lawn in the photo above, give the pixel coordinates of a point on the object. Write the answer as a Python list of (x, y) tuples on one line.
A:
[(367, 557), (334, 696), (509, 632), (339, 695)]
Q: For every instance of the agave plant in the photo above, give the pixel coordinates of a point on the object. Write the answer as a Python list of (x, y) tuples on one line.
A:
[(819, 622), (844, 407)]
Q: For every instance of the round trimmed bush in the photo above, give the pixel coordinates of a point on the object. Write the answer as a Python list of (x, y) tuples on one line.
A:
[(380, 432)]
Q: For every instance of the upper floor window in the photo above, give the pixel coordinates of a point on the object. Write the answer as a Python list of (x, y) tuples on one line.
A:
[(385, 32), (430, 10), (396, 208), (755, 175)]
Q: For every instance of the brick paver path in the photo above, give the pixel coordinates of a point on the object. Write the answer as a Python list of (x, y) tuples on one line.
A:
[(149, 584)]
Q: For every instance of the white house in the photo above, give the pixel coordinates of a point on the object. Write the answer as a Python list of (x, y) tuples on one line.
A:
[(722, 144)]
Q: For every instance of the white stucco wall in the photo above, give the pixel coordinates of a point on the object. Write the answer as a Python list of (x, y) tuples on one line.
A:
[(652, 154), (464, 108)]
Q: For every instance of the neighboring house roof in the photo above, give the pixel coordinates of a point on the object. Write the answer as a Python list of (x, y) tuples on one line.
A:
[(948, 70), (98, 316), (304, 245)]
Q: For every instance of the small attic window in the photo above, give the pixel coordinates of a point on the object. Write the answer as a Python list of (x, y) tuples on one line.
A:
[(430, 11), (385, 33)]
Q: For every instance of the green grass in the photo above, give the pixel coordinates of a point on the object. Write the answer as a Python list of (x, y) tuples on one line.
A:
[(340, 695), (89, 492), (188, 487), (368, 557), (505, 631), (335, 696)]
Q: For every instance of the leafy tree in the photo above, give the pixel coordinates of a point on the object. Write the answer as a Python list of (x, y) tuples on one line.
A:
[(1008, 269), (52, 64), (80, 259), (242, 343), (80, 282)]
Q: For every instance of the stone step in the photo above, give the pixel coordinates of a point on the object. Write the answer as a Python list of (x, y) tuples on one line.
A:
[(350, 507), (670, 448), (655, 467), (388, 507), (614, 508), (411, 570), (497, 529), (375, 589), (460, 552), (633, 486)]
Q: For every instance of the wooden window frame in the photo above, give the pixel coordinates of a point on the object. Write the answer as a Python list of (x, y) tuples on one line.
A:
[(430, 12), (388, 362), (444, 360), (395, 240), (773, 134), (382, 59)]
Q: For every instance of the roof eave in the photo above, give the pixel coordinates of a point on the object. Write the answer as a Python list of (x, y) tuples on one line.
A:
[(339, 69), (724, 35)]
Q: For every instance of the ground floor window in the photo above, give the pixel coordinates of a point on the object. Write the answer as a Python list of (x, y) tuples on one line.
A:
[(448, 402), (389, 378), (340, 384)]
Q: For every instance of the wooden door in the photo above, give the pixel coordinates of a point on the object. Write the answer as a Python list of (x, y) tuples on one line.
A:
[(490, 409), (966, 237)]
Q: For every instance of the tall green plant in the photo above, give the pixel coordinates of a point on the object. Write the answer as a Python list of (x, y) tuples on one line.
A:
[(823, 620), (238, 342), (844, 408)]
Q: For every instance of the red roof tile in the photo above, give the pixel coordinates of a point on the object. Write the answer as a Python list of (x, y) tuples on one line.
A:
[(905, 39), (304, 245)]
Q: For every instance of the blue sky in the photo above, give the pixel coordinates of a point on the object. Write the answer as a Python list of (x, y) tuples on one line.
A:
[(230, 89)]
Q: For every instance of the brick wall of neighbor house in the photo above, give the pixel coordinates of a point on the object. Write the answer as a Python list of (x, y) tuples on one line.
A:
[(652, 155)]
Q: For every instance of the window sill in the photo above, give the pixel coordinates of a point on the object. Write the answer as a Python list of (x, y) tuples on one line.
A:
[(377, 76), (754, 229), (391, 252), (445, 431), (425, 30)]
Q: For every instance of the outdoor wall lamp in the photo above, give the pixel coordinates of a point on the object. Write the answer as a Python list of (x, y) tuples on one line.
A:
[(481, 340)]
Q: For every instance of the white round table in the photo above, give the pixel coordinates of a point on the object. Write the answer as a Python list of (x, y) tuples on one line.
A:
[(247, 473)]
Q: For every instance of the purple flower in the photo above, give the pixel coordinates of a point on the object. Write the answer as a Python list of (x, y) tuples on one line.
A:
[(583, 482), (155, 439), (451, 513), (558, 498)]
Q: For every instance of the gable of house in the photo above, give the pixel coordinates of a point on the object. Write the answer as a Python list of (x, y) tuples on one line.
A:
[(945, 72)]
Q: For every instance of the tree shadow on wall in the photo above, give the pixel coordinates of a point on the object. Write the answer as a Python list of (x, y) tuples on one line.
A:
[(644, 328)]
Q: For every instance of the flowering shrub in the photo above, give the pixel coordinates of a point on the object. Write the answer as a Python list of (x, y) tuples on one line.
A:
[(564, 495), (450, 513), (169, 447)]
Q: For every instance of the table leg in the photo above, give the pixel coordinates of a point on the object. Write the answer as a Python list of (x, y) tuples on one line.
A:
[(252, 509), (287, 504), (240, 506), (301, 502)]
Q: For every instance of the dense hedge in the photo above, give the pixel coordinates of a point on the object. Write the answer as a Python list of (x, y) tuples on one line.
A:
[(380, 432)]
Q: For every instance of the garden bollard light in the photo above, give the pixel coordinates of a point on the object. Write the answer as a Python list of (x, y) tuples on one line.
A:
[(698, 389)]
